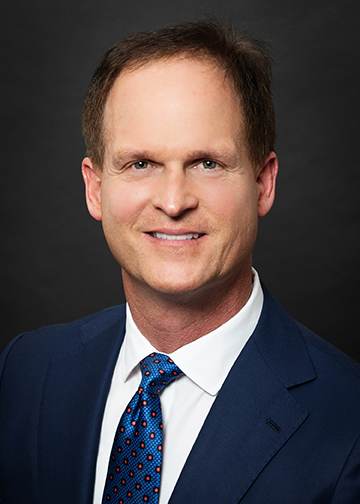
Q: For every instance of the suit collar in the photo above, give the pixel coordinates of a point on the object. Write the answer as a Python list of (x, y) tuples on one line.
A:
[(281, 344), (112, 319)]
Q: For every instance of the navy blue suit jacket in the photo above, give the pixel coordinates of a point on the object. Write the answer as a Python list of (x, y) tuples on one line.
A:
[(284, 428)]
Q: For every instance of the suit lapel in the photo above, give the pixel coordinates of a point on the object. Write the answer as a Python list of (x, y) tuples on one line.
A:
[(253, 415), (73, 403)]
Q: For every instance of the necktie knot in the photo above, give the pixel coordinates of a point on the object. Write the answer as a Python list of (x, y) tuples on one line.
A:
[(157, 371)]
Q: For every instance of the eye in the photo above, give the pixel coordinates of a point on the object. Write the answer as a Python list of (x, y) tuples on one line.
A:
[(140, 165), (208, 164)]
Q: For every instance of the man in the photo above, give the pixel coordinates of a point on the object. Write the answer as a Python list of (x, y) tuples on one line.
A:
[(179, 126)]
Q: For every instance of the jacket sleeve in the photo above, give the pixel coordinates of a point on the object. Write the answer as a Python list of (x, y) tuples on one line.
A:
[(347, 489), (3, 359)]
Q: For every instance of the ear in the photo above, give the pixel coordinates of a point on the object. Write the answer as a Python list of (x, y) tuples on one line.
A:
[(266, 180), (92, 178)]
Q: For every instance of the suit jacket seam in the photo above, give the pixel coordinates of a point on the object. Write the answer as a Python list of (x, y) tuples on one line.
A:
[(8, 349)]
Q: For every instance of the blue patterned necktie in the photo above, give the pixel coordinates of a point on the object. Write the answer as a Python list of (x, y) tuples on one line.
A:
[(135, 461)]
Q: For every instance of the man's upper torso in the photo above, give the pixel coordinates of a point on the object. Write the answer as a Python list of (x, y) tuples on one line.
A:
[(283, 428)]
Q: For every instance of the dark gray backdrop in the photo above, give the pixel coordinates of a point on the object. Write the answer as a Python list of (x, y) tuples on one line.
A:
[(55, 262)]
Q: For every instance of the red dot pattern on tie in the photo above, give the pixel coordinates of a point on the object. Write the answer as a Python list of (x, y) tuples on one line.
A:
[(135, 461)]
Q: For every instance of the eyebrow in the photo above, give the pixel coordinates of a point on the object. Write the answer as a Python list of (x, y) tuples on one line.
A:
[(125, 155)]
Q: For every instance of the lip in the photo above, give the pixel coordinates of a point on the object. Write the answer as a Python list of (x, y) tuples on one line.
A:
[(175, 231)]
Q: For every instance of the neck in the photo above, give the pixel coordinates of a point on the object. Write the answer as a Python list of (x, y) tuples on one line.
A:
[(170, 321)]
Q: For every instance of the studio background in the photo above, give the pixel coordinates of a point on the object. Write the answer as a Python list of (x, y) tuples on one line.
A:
[(56, 266)]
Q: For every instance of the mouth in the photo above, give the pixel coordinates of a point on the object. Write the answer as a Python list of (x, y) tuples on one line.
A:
[(187, 236)]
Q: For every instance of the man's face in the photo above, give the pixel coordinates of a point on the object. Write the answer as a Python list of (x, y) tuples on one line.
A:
[(178, 196)]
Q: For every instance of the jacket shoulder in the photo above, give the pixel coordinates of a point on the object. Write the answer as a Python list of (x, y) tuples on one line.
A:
[(43, 343), (329, 358)]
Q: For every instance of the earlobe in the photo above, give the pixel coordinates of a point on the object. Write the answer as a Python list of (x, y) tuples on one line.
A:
[(266, 181), (92, 180)]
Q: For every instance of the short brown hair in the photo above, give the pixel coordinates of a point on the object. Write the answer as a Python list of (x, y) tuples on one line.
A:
[(244, 60)]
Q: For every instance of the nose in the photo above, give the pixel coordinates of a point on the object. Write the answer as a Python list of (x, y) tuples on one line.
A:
[(175, 193)]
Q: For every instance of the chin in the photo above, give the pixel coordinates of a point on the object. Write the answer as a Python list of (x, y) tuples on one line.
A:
[(175, 282), (176, 287)]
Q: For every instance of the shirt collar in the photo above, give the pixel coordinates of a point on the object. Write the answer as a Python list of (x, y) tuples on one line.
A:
[(207, 360)]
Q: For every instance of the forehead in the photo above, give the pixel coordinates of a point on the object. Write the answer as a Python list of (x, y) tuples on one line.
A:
[(173, 98)]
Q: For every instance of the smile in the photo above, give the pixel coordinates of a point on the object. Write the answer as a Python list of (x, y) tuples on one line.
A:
[(163, 236)]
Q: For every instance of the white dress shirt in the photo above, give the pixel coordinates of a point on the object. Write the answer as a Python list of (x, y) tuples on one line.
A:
[(187, 400)]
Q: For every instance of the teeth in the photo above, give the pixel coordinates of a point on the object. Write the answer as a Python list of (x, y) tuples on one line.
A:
[(188, 236)]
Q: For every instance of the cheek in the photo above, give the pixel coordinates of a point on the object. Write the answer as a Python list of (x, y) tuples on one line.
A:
[(235, 205), (121, 204)]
